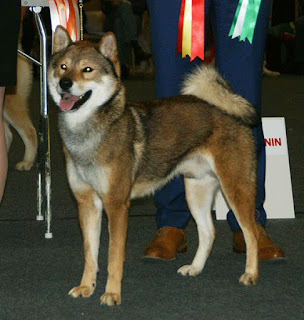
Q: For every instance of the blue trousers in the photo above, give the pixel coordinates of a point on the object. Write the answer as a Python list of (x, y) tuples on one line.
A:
[(240, 63)]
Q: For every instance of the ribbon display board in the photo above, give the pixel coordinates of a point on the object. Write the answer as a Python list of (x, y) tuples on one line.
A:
[(66, 14), (279, 198)]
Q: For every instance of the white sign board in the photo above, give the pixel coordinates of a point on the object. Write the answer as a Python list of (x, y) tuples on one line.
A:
[(279, 199)]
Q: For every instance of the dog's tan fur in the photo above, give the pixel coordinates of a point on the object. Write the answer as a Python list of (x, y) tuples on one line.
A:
[(117, 151), (15, 113)]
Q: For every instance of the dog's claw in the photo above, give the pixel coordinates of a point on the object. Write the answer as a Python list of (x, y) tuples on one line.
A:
[(110, 299), (81, 291)]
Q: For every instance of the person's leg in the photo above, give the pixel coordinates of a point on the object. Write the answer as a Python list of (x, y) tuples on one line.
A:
[(9, 29), (170, 70), (3, 153), (125, 29), (121, 21), (241, 64), (172, 213)]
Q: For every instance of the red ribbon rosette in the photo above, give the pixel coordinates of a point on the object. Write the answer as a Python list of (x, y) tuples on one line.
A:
[(191, 29)]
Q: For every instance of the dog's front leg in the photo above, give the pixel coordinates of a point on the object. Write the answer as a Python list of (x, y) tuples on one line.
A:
[(89, 214), (117, 224)]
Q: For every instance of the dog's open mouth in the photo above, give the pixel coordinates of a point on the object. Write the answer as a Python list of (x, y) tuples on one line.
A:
[(70, 102)]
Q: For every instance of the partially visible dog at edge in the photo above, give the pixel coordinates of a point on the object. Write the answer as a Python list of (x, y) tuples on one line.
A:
[(117, 151), (15, 112)]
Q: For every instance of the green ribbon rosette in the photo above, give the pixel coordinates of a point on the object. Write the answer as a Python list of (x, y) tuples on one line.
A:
[(244, 20)]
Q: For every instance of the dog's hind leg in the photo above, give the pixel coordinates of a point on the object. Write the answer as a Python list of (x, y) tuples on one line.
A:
[(240, 196), (200, 196), (234, 163), (89, 214)]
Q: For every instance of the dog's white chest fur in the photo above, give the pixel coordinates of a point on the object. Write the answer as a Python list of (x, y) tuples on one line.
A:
[(82, 176)]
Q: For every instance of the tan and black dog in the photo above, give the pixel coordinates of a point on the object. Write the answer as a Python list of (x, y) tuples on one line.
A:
[(117, 150)]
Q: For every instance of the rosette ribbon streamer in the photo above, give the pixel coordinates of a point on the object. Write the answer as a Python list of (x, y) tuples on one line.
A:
[(66, 14), (244, 20), (191, 29)]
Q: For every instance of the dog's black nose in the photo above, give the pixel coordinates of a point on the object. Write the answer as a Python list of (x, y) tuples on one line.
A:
[(65, 83)]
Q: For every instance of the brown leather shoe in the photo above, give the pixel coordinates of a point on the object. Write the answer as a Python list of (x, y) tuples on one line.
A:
[(167, 242), (268, 250)]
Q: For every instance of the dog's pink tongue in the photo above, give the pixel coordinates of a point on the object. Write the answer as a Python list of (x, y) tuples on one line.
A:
[(67, 102)]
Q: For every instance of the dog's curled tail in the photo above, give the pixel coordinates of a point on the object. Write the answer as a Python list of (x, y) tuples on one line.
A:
[(207, 84)]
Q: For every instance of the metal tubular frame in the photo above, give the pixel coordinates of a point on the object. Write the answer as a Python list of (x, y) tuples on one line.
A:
[(44, 155)]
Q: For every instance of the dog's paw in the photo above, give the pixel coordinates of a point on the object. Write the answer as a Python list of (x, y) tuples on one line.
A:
[(24, 165), (189, 270), (110, 299), (248, 279), (82, 291)]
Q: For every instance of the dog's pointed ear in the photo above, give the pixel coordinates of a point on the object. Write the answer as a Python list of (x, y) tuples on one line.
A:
[(108, 46), (62, 39)]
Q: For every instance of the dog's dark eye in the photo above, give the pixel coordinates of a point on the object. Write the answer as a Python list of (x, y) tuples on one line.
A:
[(87, 69), (63, 67)]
